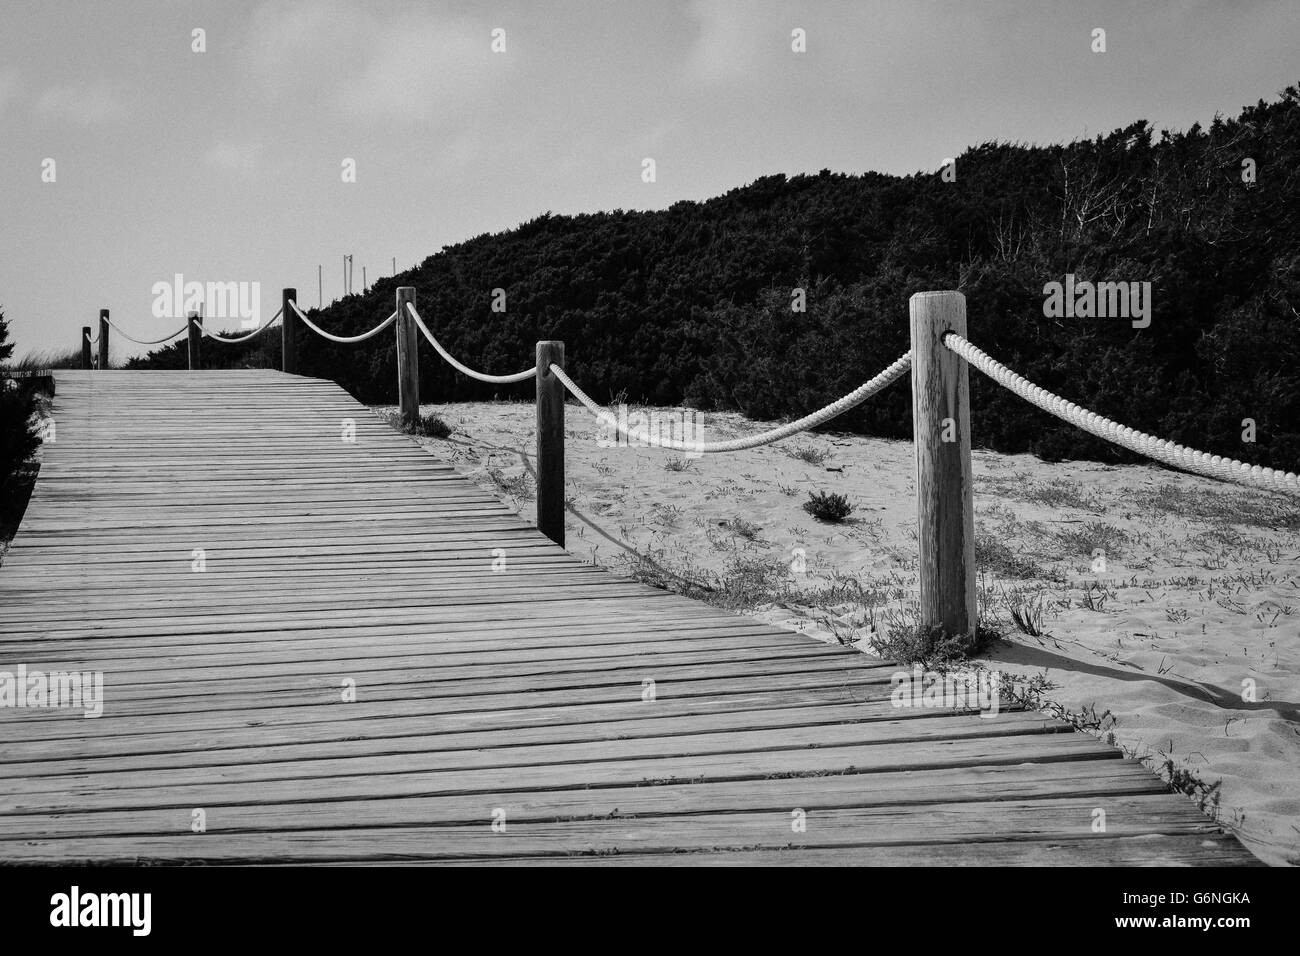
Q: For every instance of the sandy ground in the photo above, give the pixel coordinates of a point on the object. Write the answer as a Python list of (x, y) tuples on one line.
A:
[(1170, 604)]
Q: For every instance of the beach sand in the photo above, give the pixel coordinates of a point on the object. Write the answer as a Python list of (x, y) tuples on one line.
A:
[(1170, 603)]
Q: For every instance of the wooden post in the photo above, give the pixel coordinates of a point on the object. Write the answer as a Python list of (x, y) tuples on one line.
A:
[(194, 325), (944, 496), (288, 332), (550, 442), (85, 346), (408, 372), (103, 339)]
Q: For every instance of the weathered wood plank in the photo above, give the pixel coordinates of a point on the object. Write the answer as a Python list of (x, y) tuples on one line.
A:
[(525, 688)]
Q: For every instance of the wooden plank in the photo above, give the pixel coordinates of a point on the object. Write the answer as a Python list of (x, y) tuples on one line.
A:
[(1026, 781), (1193, 849), (523, 688), (1020, 821)]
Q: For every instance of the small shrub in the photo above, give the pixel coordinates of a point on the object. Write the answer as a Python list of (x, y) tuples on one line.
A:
[(677, 464), (828, 507), (426, 426), (745, 529), (1093, 536), (1094, 597), (749, 583), (813, 456), (995, 555), (429, 426), (1027, 611), (930, 644), (516, 486)]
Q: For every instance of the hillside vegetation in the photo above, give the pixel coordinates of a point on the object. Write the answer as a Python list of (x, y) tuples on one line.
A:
[(693, 303)]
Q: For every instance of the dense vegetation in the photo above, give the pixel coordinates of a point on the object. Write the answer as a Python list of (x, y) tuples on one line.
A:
[(693, 303), (18, 440)]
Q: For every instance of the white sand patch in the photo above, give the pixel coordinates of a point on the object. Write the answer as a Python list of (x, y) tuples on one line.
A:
[(1199, 596)]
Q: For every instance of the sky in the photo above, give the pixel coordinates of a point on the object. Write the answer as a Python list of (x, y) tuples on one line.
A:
[(227, 165)]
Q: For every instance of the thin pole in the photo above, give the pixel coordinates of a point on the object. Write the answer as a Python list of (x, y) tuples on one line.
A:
[(320, 287), (103, 339), (944, 494), (408, 372), (288, 332), (550, 442), (195, 328)]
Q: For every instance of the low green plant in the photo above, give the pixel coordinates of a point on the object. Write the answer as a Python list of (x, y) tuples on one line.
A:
[(995, 555), (809, 454), (516, 486), (1091, 537), (1027, 611), (929, 644), (429, 426), (744, 529), (831, 507)]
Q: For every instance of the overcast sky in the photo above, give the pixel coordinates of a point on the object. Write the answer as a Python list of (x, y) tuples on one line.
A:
[(226, 165)]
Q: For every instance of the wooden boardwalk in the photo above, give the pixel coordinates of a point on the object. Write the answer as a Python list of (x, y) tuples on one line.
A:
[(513, 697)]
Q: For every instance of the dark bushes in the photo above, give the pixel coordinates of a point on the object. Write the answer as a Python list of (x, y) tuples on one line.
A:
[(694, 303)]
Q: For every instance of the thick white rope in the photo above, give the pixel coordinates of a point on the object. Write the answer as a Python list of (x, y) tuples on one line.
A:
[(481, 376), (244, 338), (142, 341), (854, 398), (344, 339), (94, 341), (1179, 456)]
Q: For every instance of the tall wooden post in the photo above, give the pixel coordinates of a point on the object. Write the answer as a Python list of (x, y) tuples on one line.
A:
[(288, 331), (408, 372), (103, 339), (550, 442), (85, 346), (194, 325), (944, 495)]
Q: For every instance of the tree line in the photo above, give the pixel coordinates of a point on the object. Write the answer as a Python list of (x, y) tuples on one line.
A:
[(783, 294)]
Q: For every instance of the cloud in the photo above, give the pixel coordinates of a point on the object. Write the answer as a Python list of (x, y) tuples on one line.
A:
[(735, 40), (416, 65), (91, 104), (300, 47), (8, 88), (421, 70), (242, 158)]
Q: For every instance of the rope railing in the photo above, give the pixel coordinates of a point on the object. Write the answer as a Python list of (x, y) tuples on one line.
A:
[(464, 369), (854, 398), (938, 362), (342, 339), (1175, 455), (127, 335), (244, 338)]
